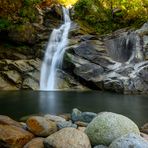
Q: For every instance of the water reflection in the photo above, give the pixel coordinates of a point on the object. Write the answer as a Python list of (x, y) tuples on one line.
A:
[(48, 102)]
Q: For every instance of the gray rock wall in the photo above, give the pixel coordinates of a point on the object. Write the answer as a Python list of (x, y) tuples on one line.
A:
[(116, 63)]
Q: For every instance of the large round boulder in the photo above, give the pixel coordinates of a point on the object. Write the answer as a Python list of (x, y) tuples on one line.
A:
[(129, 141), (108, 126), (67, 138)]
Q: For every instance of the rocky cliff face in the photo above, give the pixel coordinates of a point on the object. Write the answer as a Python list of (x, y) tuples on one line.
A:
[(22, 48), (115, 62)]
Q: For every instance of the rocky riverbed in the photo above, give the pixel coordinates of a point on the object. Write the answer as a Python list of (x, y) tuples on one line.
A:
[(76, 130)]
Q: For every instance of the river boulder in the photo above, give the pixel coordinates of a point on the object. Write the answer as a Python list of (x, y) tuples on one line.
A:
[(35, 143), (87, 117), (108, 126), (67, 138), (5, 120), (100, 146), (144, 128), (65, 124), (129, 140), (13, 136), (41, 126), (54, 118)]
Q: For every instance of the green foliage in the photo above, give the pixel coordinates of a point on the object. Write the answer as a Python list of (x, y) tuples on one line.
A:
[(108, 15), (17, 12), (28, 14), (31, 2), (4, 23)]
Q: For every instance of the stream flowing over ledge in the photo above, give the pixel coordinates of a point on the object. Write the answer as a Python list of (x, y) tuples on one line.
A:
[(114, 62)]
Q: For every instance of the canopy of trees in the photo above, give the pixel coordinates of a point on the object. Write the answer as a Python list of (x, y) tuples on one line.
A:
[(109, 15)]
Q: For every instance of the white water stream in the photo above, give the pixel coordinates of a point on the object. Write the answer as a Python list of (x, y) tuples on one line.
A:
[(54, 54)]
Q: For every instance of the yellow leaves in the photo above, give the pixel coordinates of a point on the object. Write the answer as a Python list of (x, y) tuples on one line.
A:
[(67, 2), (123, 7)]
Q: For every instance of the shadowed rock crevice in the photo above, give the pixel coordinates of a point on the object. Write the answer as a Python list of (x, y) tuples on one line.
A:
[(122, 47)]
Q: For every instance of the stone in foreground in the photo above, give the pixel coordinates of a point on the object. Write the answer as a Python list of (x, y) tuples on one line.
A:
[(41, 126), (65, 124), (144, 128), (108, 126), (129, 141), (13, 137), (87, 117), (54, 118), (35, 143), (100, 146), (67, 138), (8, 121), (144, 136)]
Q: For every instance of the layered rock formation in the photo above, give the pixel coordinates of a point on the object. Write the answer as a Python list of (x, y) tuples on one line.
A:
[(115, 62), (21, 49)]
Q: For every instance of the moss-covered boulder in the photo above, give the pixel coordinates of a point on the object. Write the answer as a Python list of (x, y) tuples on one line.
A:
[(108, 126)]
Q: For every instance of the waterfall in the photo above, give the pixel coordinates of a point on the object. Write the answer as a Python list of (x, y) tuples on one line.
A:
[(54, 54)]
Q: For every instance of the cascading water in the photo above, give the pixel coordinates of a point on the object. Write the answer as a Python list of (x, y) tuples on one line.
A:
[(54, 54)]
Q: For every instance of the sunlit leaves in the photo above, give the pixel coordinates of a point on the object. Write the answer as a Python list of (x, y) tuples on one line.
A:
[(113, 13), (67, 2)]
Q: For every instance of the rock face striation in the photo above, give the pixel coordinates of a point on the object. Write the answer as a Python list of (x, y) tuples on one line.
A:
[(116, 62)]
